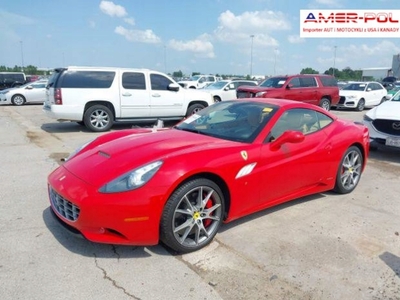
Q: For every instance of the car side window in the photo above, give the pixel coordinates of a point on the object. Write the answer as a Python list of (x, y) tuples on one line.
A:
[(308, 82), (211, 79), (159, 82), (133, 81), (38, 85), (294, 83), (306, 121)]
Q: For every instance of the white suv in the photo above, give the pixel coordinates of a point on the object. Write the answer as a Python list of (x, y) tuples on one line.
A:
[(100, 97), (226, 89), (198, 81)]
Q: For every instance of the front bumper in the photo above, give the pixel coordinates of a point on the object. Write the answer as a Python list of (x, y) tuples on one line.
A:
[(129, 218), (382, 132)]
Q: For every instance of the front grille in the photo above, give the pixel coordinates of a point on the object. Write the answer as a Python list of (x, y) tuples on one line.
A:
[(240, 94), (342, 99), (391, 127), (64, 208)]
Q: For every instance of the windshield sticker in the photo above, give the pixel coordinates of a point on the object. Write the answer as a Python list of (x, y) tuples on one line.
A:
[(362, 85), (281, 82), (191, 119), (267, 109)]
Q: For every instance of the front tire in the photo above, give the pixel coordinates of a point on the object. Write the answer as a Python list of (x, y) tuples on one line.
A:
[(192, 215), (217, 99), (360, 105), (18, 100), (98, 118), (349, 172), (194, 108)]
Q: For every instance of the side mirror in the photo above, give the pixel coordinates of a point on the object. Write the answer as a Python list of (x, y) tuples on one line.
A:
[(289, 86), (290, 136), (173, 87), (369, 89)]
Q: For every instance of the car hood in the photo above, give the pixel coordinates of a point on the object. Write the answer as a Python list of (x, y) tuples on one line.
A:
[(388, 110), (117, 156), (348, 93)]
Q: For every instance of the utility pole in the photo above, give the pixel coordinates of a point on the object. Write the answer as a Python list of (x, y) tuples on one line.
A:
[(22, 56), (251, 56), (334, 61)]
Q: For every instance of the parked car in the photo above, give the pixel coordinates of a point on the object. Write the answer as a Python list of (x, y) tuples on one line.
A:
[(321, 90), (100, 97), (34, 92), (197, 81), (233, 158), (226, 89), (11, 79), (358, 95), (393, 91), (383, 122)]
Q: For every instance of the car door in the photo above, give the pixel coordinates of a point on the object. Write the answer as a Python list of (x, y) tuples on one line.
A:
[(163, 101), (370, 95), (295, 167), (134, 95), (229, 91), (36, 92)]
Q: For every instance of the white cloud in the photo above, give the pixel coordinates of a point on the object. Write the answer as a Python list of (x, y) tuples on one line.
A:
[(328, 3), (254, 21), (201, 46), (295, 39), (237, 29), (130, 21), (143, 36), (113, 10)]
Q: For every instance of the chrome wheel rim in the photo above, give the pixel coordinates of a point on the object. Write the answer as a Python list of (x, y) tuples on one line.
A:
[(18, 100), (325, 105), (197, 216), (351, 170), (360, 105), (99, 119)]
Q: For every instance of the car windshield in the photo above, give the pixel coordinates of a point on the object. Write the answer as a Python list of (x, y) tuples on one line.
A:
[(216, 85), (235, 120), (274, 82), (355, 87), (194, 78), (396, 97)]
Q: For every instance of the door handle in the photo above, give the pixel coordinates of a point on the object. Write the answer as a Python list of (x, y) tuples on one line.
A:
[(126, 94), (156, 95)]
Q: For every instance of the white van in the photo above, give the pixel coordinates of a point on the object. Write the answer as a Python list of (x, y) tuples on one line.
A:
[(99, 97)]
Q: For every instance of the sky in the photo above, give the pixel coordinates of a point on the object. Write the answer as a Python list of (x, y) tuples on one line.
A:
[(207, 36)]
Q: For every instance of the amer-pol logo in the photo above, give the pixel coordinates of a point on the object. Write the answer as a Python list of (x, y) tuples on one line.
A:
[(350, 23)]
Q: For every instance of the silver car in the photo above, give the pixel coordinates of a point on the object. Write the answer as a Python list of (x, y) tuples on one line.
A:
[(33, 92)]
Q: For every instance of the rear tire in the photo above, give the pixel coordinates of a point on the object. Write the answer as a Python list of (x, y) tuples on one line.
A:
[(325, 104), (349, 171), (98, 118)]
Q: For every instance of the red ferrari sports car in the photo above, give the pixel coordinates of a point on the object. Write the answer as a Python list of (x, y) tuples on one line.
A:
[(177, 185)]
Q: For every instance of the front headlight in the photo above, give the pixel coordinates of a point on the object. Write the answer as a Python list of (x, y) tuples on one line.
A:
[(259, 94), (133, 179)]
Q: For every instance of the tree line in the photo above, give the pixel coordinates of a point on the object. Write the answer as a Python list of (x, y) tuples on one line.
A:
[(28, 70), (344, 74)]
